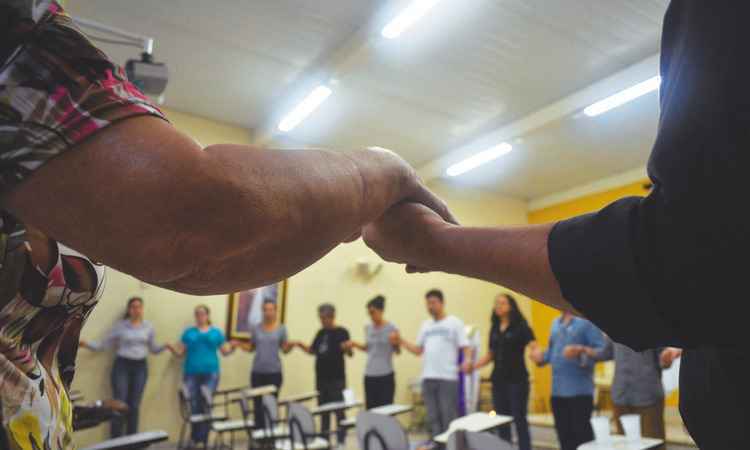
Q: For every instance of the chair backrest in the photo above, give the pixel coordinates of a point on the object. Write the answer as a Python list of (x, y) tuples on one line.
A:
[(380, 432), (208, 399), (244, 405), (476, 441), (185, 407), (270, 411), (301, 423)]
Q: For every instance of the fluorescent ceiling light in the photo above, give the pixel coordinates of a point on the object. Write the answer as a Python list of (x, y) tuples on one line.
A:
[(623, 97), (305, 108), (479, 159), (410, 15)]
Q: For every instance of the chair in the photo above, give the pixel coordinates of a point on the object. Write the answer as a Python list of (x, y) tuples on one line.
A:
[(222, 426), (190, 417), (137, 441), (380, 432), (274, 429), (302, 434), (467, 440)]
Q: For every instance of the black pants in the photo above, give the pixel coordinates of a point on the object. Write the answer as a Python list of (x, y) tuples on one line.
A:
[(512, 399), (264, 379), (332, 391), (572, 420), (128, 382), (380, 390)]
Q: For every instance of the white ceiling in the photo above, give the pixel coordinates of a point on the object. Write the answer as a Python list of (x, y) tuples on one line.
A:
[(469, 67)]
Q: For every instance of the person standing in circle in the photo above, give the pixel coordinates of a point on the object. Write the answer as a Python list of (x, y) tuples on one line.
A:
[(201, 344), (509, 337), (267, 340), (380, 345), (132, 338)]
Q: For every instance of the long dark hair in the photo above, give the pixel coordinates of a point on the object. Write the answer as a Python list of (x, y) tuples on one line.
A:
[(516, 316), (131, 300)]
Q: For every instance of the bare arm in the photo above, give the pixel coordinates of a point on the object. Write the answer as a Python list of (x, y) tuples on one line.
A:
[(244, 346), (227, 349), (484, 360), (287, 346), (354, 344), (150, 202), (515, 257), (413, 348), (304, 347), (177, 349)]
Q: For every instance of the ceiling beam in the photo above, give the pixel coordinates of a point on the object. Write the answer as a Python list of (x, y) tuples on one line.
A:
[(568, 106)]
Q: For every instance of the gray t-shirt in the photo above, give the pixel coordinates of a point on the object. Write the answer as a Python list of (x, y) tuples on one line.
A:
[(130, 341), (267, 348), (637, 375), (379, 350)]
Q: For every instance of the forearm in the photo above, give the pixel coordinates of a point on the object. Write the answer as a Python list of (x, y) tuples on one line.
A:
[(197, 218), (413, 348), (284, 210), (483, 361), (514, 257)]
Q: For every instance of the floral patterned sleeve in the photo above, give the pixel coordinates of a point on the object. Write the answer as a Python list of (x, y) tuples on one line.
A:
[(56, 90)]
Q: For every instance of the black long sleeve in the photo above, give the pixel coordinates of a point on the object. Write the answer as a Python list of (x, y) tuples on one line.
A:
[(665, 269)]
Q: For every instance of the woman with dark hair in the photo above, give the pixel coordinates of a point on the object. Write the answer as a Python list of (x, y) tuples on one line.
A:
[(509, 337), (267, 339), (200, 344), (380, 345), (133, 338)]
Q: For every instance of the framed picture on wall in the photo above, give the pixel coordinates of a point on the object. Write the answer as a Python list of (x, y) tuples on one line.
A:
[(246, 308)]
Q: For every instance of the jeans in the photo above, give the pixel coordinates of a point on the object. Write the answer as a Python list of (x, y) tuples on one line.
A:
[(332, 391), (379, 391), (512, 399), (128, 382), (572, 420), (441, 402), (194, 384), (264, 379)]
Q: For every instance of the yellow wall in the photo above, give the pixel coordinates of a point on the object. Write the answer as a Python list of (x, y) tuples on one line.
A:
[(542, 316), (332, 280)]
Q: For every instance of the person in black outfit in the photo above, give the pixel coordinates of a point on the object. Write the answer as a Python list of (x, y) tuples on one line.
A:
[(329, 348), (641, 269), (510, 335)]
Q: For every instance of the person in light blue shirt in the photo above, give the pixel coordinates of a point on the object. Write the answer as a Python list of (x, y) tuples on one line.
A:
[(200, 344), (572, 378)]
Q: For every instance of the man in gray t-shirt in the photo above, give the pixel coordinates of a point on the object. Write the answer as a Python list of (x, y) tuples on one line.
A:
[(637, 386)]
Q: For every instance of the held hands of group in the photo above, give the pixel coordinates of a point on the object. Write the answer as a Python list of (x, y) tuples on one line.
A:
[(412, 223)]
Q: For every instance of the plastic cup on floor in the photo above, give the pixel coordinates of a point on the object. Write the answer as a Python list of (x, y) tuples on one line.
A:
[(631, 423), (601, 428)]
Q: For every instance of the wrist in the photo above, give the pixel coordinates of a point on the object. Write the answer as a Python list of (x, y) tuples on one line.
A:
[(384, 180)]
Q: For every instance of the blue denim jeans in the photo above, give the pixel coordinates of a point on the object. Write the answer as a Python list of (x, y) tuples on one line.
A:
[(128, 382), (194, 383)]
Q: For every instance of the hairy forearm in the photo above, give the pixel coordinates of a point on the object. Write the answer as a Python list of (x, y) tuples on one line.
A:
[(152, 203), (283, 211), (514, 257)]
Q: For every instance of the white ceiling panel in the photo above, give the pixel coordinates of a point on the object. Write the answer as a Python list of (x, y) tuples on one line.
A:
[(468, 67)]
